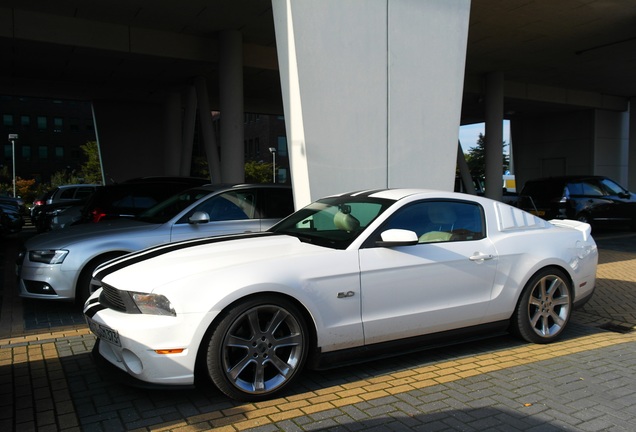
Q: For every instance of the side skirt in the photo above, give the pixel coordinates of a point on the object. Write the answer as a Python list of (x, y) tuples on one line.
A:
[(329, 360)]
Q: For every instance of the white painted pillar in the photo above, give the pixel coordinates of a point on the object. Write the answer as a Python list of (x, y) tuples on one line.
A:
[(372, 92), (494, 135), (231, 106)]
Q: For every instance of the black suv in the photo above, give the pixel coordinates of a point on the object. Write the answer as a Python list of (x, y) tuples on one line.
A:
[(593, 199)]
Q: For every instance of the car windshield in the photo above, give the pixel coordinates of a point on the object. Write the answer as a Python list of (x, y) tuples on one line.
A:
[(169, 208), (333, 222)]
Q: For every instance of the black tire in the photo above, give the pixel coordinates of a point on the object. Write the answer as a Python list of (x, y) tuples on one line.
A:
[(544, 308), (257, 348), (82, 289)]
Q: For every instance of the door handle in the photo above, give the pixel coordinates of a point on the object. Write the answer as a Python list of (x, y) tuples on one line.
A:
[(478, 256)]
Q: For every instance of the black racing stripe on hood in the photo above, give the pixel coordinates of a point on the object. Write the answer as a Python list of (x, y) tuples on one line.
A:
[(156, 251)]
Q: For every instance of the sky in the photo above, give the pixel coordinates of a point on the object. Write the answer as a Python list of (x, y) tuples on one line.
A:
[(469, 134)]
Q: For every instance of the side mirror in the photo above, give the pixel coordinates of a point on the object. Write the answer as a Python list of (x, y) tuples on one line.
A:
[(397, 237), (199, 217)]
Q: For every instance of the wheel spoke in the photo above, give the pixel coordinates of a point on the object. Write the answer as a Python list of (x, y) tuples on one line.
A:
[(291, 340), (259, 378), (557, 319), (534, 319), (279, 317), (561, 301), (282, 366), (252, 318), (236, 370), (237, 342)]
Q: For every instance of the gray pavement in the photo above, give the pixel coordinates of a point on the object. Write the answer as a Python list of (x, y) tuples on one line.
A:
[(585, 382)]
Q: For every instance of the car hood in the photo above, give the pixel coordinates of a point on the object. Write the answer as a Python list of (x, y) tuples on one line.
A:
[(67, 236), (233, 258)]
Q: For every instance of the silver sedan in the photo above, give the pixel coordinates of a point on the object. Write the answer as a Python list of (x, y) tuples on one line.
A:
[(59, 265)]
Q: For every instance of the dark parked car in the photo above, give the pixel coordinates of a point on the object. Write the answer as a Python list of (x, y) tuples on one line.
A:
[(57, 199), (127, 199), (596, 200), (11, 220)]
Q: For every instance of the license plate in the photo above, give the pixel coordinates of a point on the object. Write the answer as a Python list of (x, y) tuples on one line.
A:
[(104, 332)]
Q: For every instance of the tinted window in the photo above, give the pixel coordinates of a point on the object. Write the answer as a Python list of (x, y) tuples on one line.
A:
[(435, 221), (67, 193), (612, 188), (333, 222), (84, 192), (231, 205)]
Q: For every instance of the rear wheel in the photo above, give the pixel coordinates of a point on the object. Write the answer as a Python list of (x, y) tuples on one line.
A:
[(544, 308), (258, 348)]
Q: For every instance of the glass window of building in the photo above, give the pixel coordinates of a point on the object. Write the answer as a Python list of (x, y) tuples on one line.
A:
[(282, 146), (43, 152), (59, 152), (25, 121), (26, 152), (7, 120), (58, 124), (42, 123)]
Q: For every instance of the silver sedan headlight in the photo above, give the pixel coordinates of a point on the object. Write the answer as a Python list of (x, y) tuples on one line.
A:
[(48, 256), (153, 304)]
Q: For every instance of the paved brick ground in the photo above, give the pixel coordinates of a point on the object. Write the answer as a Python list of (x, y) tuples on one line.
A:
[(586, 382)]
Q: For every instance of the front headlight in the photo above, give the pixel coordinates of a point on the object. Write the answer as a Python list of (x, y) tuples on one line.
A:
[(154, 304), (48, 256)]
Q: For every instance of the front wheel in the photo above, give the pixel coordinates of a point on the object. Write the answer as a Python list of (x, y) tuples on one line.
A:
[(257, 348), (544, 308)]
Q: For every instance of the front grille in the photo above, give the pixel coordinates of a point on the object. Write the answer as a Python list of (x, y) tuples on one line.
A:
[(113, 298)]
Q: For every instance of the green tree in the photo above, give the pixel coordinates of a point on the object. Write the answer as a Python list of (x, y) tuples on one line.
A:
[(258, 172), (476, 158), (91, 169)]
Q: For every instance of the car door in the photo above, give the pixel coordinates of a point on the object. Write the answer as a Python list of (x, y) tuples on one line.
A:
[(230, 212), (443, 282), (623, 204)]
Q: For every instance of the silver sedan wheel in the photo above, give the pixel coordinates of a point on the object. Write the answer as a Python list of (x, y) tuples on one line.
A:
[(260, 349)]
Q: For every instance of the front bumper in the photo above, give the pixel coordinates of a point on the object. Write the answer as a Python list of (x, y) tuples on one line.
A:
[(134, 349), (49, 282)]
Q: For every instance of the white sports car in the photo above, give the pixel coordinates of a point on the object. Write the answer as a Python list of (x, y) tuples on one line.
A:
[(349, 276)]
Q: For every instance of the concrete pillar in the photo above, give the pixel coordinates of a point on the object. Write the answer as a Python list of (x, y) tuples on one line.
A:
[(494, 134), (172, 138), (372, 92), (189, 122), (231, 106), (207, 130), (464, 171), (631, 155)]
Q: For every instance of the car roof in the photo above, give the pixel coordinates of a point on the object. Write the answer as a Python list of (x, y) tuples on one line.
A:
[(401, 193), (567, 178)]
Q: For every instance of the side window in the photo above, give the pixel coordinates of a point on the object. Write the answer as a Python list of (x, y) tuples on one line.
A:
[(232, 205), (612, 188), (592, 189), (276, 203), (68, 193), (440, 221), (84, 192)]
